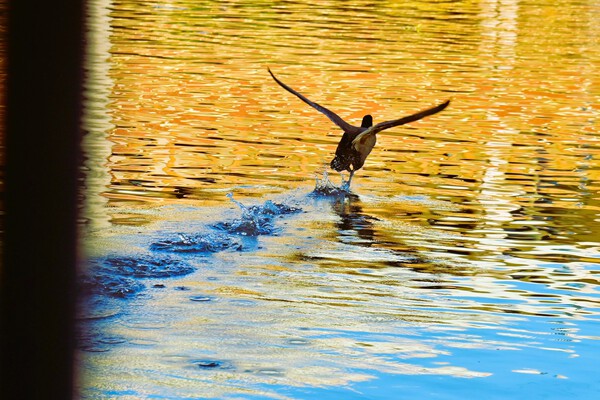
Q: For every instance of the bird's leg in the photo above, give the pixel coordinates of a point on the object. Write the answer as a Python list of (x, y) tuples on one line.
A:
[(349, 179)]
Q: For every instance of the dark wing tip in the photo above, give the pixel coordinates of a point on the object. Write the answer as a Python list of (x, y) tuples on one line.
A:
[(438, 108), (442, 106), (272, 75)]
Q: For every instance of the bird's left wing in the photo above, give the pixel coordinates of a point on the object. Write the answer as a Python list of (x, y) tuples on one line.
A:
[(390, 124), (336, 119)]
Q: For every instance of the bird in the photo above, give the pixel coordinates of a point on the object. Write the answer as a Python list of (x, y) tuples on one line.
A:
[(357, 141)]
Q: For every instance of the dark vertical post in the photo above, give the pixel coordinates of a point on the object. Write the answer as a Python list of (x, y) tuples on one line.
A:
[(42, 150)]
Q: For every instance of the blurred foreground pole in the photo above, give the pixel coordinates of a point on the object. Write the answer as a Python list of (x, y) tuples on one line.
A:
[(42, 150)]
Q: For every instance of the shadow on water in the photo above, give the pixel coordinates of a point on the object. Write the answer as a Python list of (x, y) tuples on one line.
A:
[(347, 206), (361, 238), (353, 219)]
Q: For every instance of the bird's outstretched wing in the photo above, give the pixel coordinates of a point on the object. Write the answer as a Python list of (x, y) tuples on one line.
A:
[(390, 124), (336, 119)]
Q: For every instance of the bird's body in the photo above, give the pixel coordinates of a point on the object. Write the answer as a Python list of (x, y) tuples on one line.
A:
[(349, 157), (358, 141)]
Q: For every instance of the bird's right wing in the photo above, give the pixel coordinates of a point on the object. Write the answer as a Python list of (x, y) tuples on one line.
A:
[(401, 121), (336, 119)]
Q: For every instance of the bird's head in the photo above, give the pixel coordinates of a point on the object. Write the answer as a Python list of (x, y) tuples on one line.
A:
[(367, 121)]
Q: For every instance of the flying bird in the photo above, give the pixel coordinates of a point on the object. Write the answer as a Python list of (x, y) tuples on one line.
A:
[(358, 141)]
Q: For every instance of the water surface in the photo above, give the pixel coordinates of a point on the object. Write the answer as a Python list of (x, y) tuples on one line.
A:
[(466, 260)]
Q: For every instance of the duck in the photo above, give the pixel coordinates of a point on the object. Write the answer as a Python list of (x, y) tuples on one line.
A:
[(357, 141)]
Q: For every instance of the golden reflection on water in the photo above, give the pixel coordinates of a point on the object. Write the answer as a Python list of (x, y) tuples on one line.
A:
[(456, 215), (193, 109)]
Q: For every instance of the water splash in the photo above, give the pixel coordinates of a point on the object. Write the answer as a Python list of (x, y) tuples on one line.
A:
[(256, 220), (145, 266), (116, 276), (106, 284), (202, 243), (325, 188)]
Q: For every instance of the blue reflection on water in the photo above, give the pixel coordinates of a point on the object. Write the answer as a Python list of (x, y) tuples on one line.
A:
[(398, 333)]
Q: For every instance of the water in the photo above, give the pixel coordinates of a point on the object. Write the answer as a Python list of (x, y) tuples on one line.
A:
[(225, 262)]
